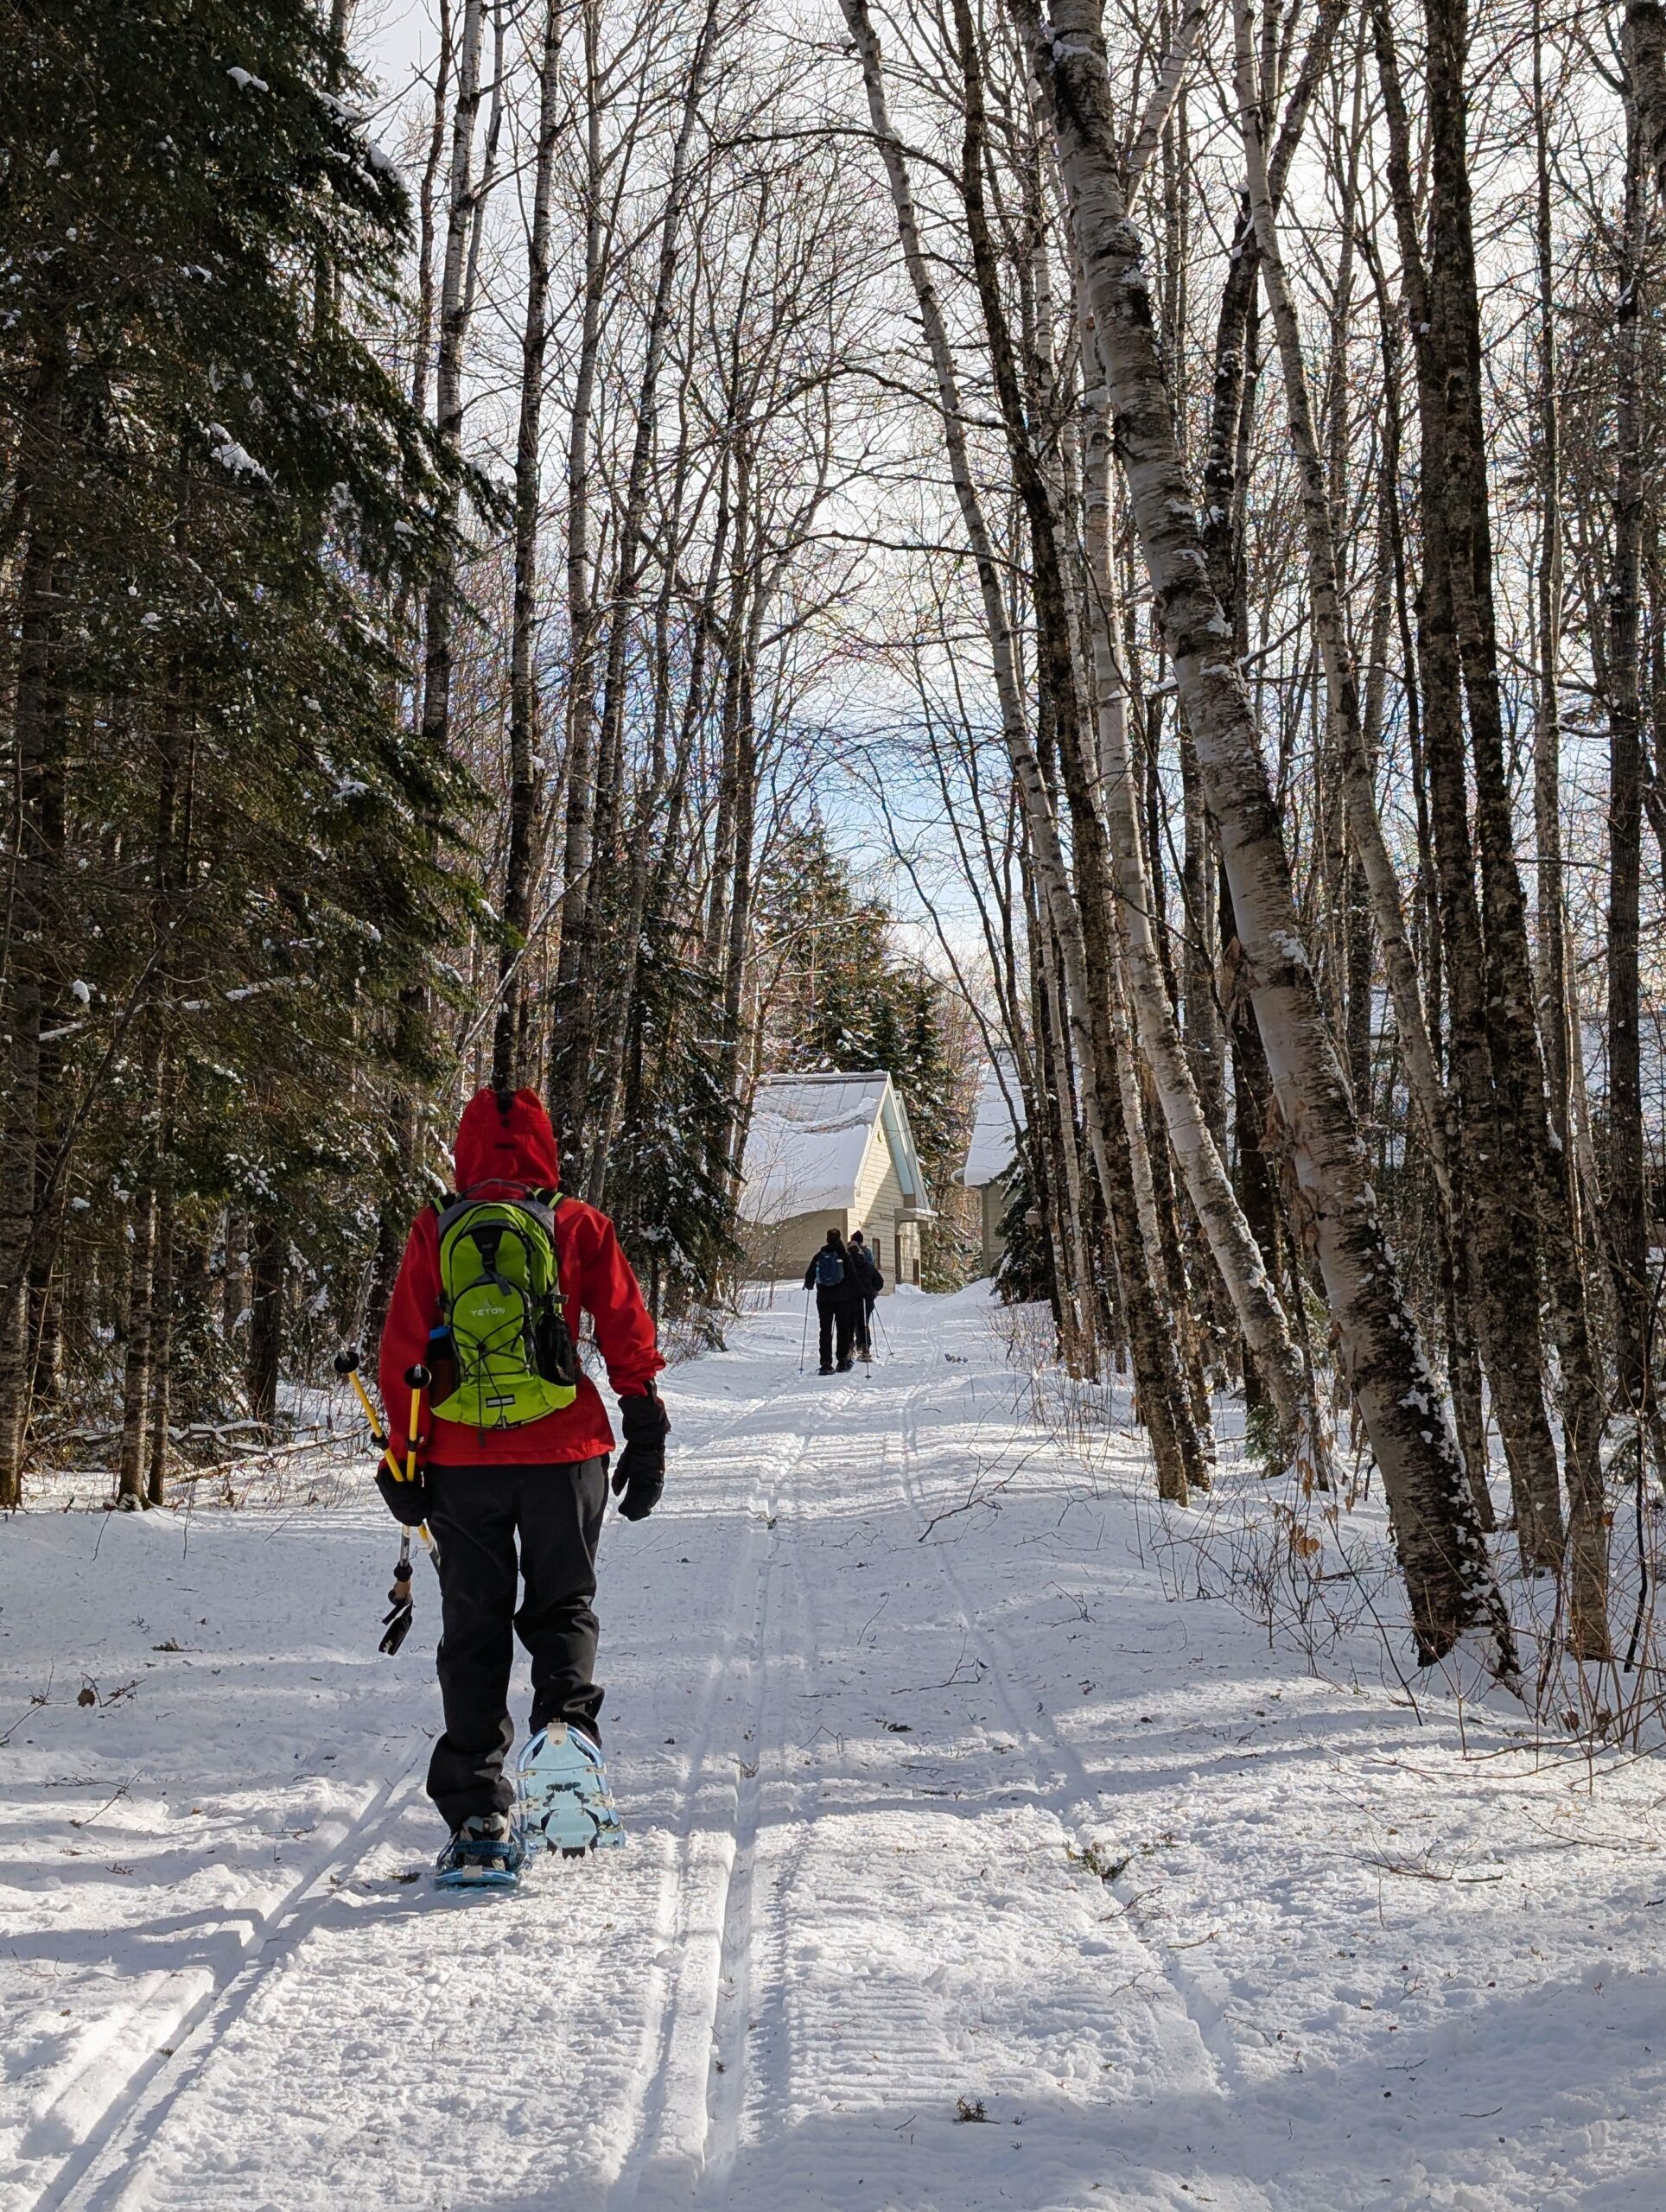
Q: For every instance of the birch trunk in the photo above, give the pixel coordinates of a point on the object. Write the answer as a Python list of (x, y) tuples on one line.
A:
[(1231, 1244), (1232, 391), (1625, 1218), (508, 1053), (1552, 918), (1131, 1202), (1341, 678), (448, 401), (1162, 1388), (580, 768), (1503, 1267), (1447, 1573), (1062, 1215), (1075, 1274), (424, 340), (1047, 853), (1455, 348), (1164, 93)]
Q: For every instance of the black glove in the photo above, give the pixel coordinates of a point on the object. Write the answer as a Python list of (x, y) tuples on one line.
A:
[(639, 1477), (409, 1503)]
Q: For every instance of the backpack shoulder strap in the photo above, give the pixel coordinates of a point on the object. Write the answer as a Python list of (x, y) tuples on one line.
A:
[(540, 1204)]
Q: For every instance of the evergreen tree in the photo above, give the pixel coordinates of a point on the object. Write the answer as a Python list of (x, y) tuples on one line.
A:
[(217, 495)]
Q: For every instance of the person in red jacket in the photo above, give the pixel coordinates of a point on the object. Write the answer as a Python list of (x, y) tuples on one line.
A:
[(542, 1485)]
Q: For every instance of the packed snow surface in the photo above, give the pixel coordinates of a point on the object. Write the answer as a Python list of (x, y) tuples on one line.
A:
[(969, 1867)]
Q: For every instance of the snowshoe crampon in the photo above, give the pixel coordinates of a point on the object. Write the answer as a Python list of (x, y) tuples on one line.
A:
[(485, 1853), (564, 1796)]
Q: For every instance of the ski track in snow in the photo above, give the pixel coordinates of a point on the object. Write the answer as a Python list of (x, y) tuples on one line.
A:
[(884, 1670), (122, 2108)]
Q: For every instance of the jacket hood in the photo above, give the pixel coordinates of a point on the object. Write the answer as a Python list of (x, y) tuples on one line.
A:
[(517, 1147)]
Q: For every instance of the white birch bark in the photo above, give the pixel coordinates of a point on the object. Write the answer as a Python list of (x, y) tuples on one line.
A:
[(1164, 93), (524, 702), (447, 383), (1047, 851), (1073, 1281), (1448, 1576), (1051, 874), (580, 764), (1341, 680), (1231, 1242)]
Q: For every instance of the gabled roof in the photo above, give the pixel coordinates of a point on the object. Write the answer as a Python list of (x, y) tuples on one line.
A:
[(809, 1137), (993, 1146)]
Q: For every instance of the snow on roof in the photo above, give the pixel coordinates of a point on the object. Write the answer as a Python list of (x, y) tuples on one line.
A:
[(809, 1137), (993, 1146)]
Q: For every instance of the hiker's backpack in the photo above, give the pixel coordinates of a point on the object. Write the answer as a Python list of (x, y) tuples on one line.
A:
[(503, 1354), (830, 1269)]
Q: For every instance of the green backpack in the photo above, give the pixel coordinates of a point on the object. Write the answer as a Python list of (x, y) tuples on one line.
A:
[(503, 1354)]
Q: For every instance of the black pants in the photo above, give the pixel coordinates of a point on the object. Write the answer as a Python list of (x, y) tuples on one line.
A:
[(478, 1514), (837, 1317)]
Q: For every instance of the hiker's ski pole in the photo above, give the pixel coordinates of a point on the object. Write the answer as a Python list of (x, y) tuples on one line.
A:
[(804, 1341), (347, 1364), (417, 1378), (402, 1609)]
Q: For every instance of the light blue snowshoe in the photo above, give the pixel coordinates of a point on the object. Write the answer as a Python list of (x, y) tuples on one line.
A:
[(485, 1853), (564, 1795)]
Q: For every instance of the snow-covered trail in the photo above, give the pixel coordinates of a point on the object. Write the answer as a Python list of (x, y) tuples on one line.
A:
[(936, 1808)]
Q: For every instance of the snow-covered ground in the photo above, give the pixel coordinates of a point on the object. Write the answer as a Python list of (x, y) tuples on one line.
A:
[(968, 1869)]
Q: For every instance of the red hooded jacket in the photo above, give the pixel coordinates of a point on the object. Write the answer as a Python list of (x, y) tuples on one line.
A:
[(501, 1155)]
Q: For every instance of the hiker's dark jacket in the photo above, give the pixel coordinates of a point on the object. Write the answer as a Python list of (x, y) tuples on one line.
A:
[(830, 1296)]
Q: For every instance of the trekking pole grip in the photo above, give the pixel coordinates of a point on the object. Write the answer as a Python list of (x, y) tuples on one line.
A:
[(417, 1378), (346, 1366)]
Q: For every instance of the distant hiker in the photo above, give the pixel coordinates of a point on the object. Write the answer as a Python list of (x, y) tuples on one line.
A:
[(838, 1302), (866, 1269), (513, 1448)]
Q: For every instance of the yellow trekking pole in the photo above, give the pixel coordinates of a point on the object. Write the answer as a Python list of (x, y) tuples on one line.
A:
[(417, 1378), (396, 1624)]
